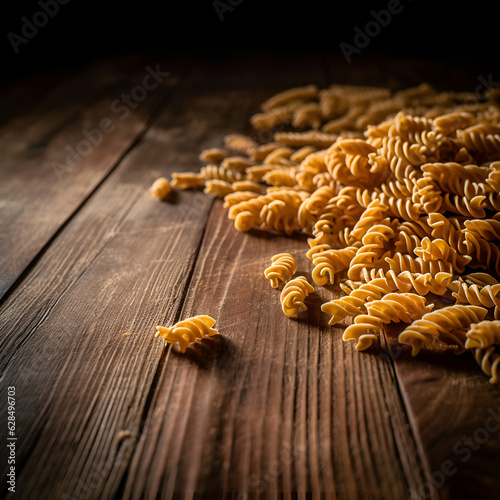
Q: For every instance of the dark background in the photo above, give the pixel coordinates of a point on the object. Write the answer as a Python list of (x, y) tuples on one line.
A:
[(464, 34)]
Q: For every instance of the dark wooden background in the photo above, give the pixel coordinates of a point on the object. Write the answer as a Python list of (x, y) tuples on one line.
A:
[(271, 407)]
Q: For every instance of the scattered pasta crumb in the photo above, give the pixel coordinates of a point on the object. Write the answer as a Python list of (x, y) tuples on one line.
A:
[(123, 434)]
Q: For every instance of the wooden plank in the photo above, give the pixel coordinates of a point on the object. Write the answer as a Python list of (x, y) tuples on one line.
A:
[(269, 406), (455, 415), (120, 265), (55, 155), (273, 404), (447, 398)]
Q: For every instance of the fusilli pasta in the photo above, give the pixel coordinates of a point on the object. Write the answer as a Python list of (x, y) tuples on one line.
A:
[(281, 270), (187, 331), (399, 192), (293, 295)]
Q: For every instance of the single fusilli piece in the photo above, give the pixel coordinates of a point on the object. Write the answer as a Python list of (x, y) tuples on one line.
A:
[(160, 188), (444, 324), (293, 295), (393, 307), (187, 180), (240, 143), (477, 295), (281, 270), (440, 250), (483, 334), (331, 261), (355, 302), (187, 331), (488, 360)]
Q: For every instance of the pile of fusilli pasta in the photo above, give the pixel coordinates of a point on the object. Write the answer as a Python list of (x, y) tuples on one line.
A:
[(399, 193)]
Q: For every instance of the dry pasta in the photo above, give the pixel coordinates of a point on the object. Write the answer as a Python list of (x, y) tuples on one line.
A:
[(444, 324), (393, 307), (160, 188), (294, 294), (483, 334), (187, 331), (399, 194), (281, 270)]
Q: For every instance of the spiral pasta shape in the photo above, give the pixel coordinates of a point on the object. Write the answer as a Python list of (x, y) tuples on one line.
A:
[(248, 214), (279, 216), (373, 214), (427, 195), (397, 189), (187, 331), (393, 307), (236, 163), (355, 302), (281, 270), (486, 296), (481, 140), (444, 324), (488, 360), (307, 92), (449, 229), (488, 229), (313, 206), (485, 253), (401, 262), (404, 208), (483, 334), (373, 249), (187, 180), (294, 294), (279, 156), (438, 249), (404, 156), (213, 155), (213, 171), (160, 188), (474, 207), (240, 143), (218, 187), (329, 262)]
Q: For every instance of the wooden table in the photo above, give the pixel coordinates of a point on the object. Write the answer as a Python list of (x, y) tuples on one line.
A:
[(271, 407)]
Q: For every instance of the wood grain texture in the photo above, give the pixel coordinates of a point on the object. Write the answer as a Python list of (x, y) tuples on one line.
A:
[(274, 404), (54, 155), (120, 265), (447, 398), (274, 407), (455, 415)]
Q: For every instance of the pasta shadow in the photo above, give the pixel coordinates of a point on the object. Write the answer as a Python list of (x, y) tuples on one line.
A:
[(205, 351)]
